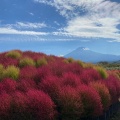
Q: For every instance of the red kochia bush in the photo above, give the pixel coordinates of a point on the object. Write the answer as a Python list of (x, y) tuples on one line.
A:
[(89, 75), (103, 92), (114, 88), (6, 61), (5, 102), (26, 84), (51, 86), (91, 101), (18, 104), (42, 73), (41, 105), (28, 72), (71, 79), (9, 85), (69, 103), (75, 68)]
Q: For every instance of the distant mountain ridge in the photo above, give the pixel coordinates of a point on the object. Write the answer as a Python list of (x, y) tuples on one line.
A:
[(86, 55)]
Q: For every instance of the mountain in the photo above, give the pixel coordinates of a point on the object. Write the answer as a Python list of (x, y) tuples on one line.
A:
[(86, 55)]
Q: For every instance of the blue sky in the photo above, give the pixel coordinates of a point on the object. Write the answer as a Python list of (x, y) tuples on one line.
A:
[(60, 26)]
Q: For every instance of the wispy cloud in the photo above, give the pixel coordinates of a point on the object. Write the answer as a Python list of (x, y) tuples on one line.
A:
[(7, 30), (88, 18), (31, 13), (23, 28), (27, 25)]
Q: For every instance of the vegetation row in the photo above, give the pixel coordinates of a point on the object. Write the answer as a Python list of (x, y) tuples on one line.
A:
[(35, 86)]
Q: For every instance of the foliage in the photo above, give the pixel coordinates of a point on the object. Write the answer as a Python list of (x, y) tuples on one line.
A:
[(26, 62), (13, 54), (41, 105), (91, 101), (1, 71), (36, 86), (103, 92), (102, 72), (70, 104), (11, 72), (41, 62)]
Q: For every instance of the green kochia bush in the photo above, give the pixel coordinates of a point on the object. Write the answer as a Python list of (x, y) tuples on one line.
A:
[(11, 72), (41, 62), (26, 62), (102, 72), (13, 54), (1, 71)]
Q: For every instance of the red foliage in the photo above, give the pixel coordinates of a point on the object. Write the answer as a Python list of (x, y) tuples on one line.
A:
[(103, 93), (42, 73), (26, 84), (51, 86), (19, 102), (28, 72), (69, 103), (9, 85), (113, 84), (91, 101), (41, 105), (6, 61), (5, 102), (89, 75), (75, 68), (71, 79)]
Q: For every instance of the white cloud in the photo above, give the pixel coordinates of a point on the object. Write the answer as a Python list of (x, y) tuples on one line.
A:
[(26, 25), (6, 30), (31, 13), (30, 25), (88, 18)]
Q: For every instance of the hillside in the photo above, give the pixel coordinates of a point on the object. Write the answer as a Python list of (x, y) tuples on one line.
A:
[(36, 86)]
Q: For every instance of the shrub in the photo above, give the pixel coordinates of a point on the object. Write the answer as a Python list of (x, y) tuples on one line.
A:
[(9, 85), (26, 84), (74, 67), (70, 104), (26, 62), (112, 90), (41, 105), (82, 64), (71, 80), (19, 107), (41, 62), (19, 101), (103, 92), (6, 61), (1, 71), (5, 102), (70, 60), (13, 54), (51, 86), (11, 72), (42, 73), (102, 72), (89, 75), (91, 101), (116, 83), (28, 72)]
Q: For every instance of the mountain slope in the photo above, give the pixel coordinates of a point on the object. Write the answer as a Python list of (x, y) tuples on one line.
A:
[(87, 55)]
